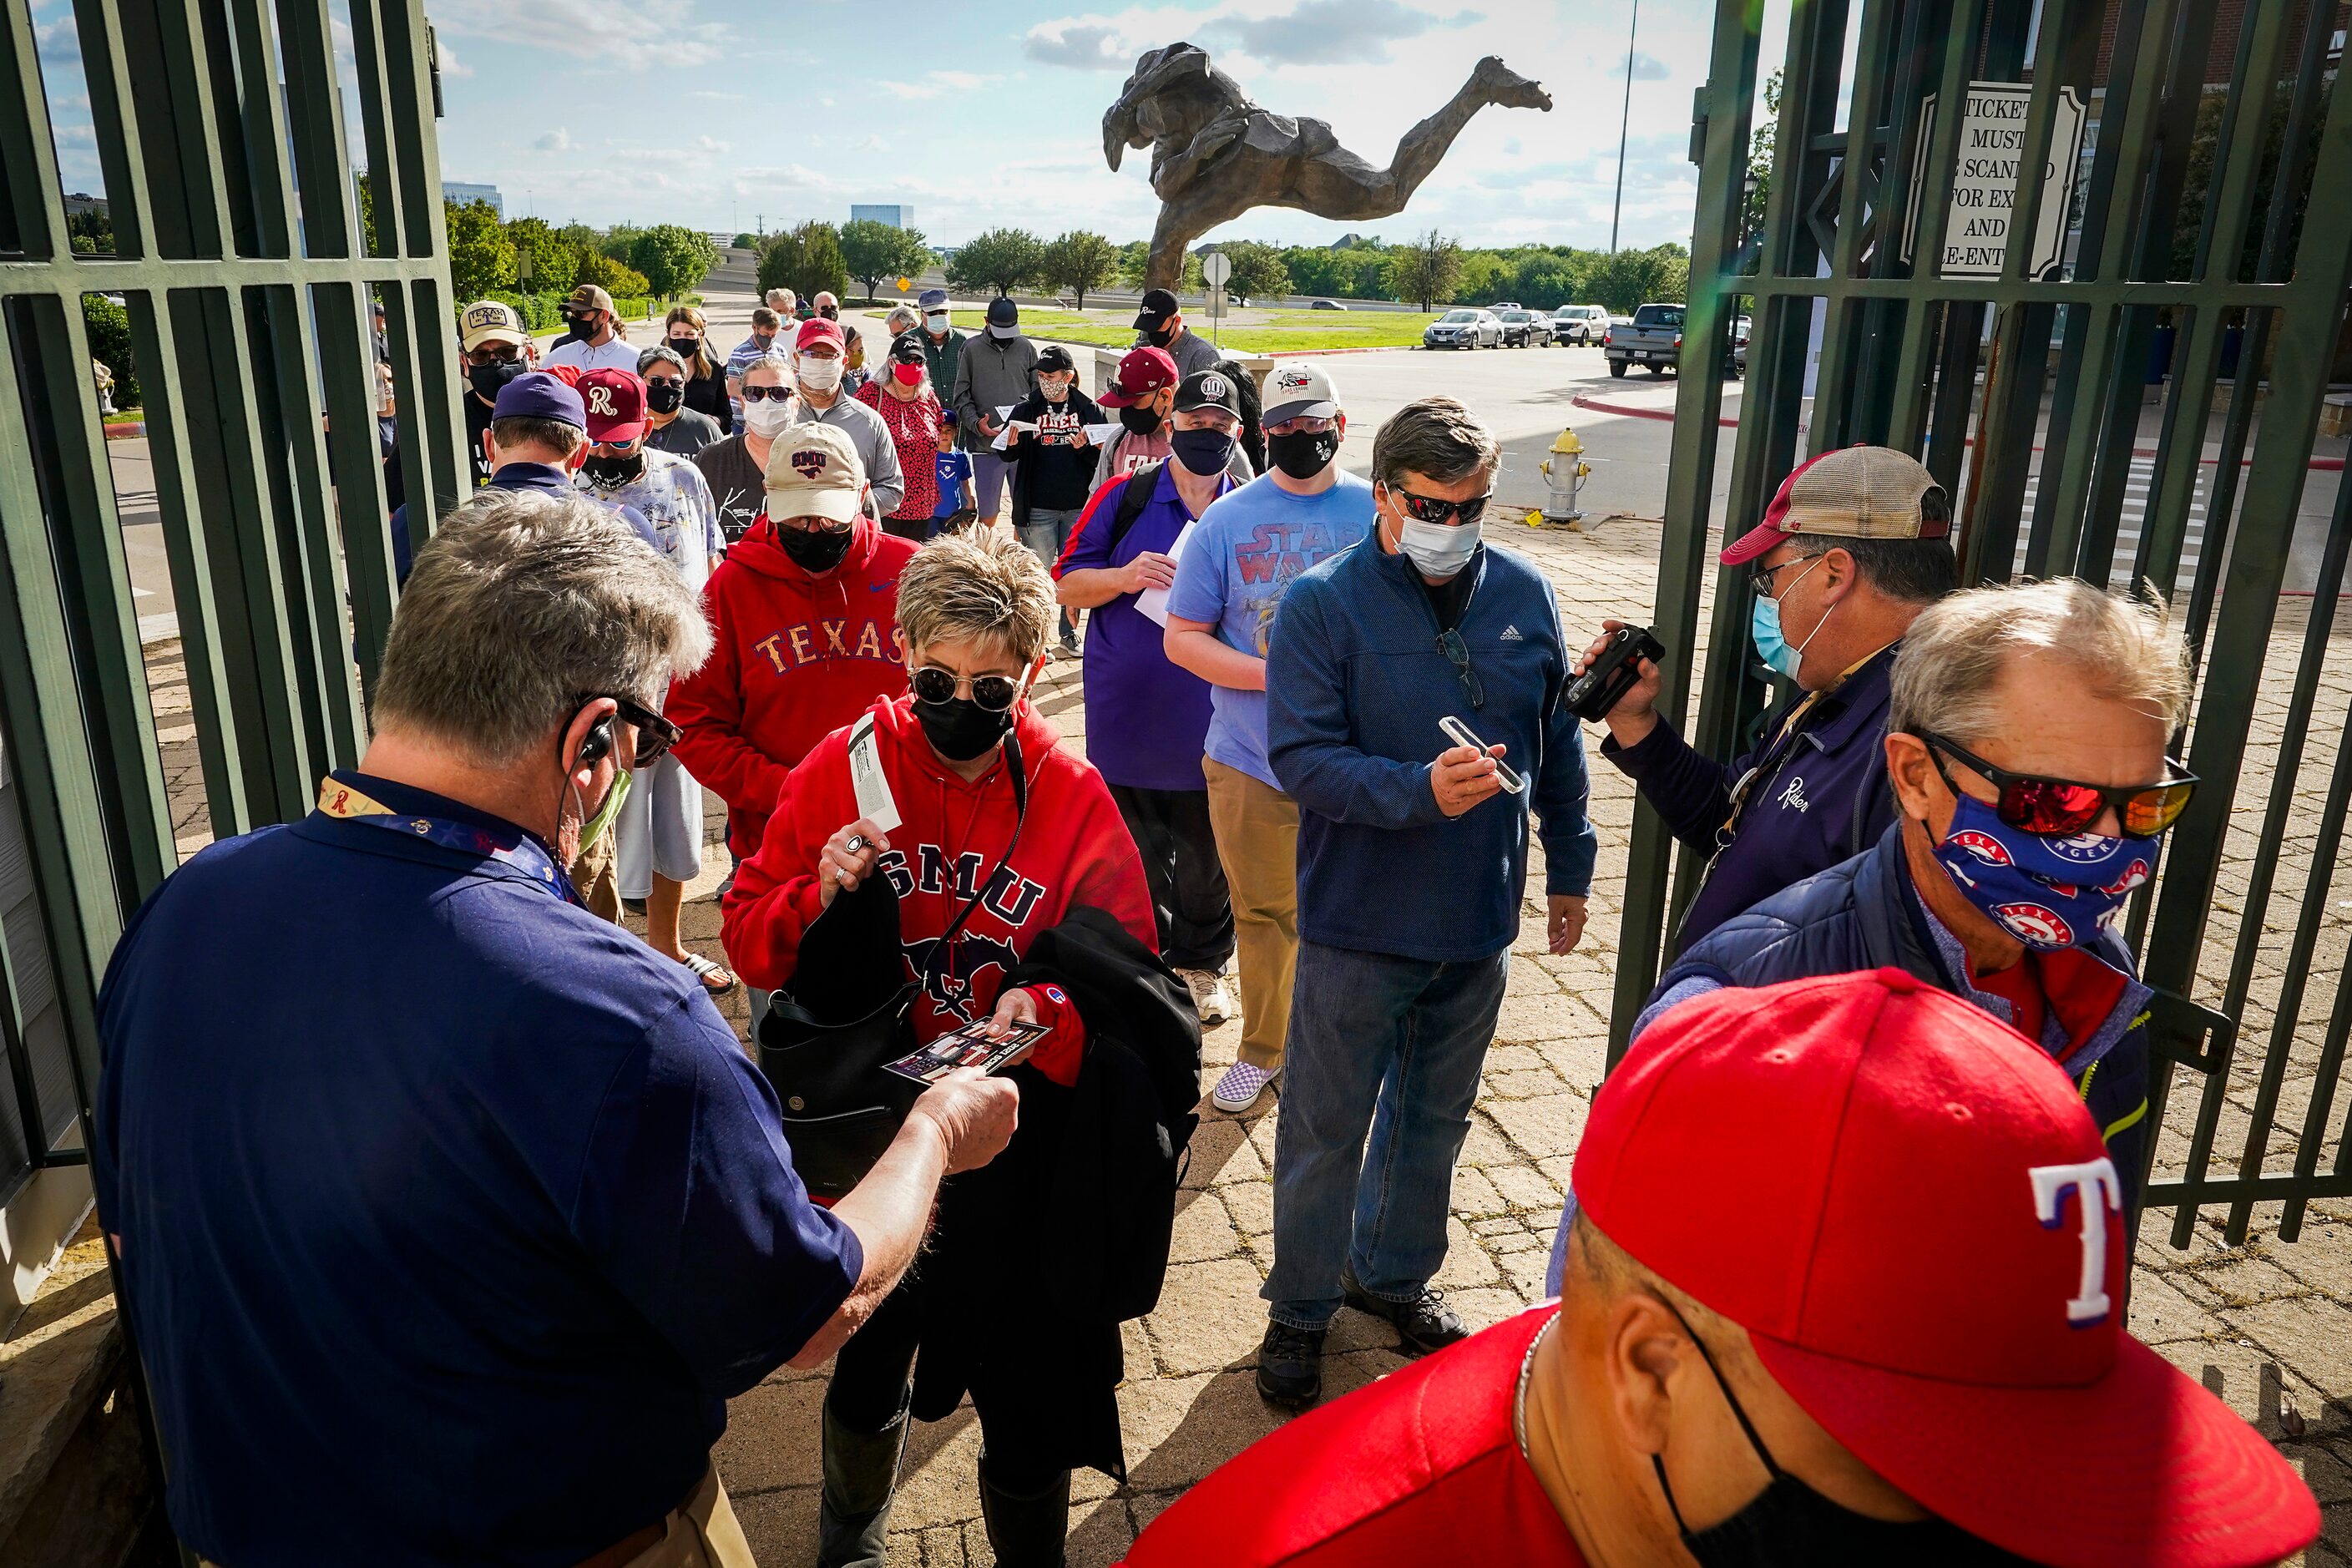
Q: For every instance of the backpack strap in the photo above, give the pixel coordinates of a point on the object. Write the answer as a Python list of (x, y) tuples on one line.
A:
[(1133, 497)]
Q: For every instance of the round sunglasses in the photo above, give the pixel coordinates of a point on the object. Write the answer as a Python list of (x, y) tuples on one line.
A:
[(933, 685), (2062, 808)]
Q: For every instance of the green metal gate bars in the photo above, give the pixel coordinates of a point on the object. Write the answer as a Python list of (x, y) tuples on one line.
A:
[(2206, 220)]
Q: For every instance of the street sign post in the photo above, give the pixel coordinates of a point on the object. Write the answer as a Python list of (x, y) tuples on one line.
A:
[(1215, 268)]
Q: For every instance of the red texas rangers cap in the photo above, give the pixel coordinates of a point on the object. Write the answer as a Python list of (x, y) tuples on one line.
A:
[(1855, 492), (1142, 373), (1909, 1210), (615, 402)]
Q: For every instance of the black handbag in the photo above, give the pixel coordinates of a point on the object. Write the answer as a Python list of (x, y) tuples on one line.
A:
[(823, 1045)]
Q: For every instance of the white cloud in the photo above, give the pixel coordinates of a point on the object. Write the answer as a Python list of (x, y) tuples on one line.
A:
[(1081, 43), (712, 145), (556, 140), (1646, 67), (963, 79), (935, 83), (1334, 32), (635, 32), (869, 144), (908, 88), (445, 56)]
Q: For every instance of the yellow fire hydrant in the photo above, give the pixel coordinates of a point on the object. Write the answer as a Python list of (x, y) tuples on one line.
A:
[(1564, 473)]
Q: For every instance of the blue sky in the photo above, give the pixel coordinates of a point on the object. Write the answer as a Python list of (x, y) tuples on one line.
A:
[(715, 113)]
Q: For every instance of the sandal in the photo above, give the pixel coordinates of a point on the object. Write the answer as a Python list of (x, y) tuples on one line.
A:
[(715, 977)]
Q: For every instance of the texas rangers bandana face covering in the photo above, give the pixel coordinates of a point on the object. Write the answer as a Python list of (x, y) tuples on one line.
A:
[(2048, 893)]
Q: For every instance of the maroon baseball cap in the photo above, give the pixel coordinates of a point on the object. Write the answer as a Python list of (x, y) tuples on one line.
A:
[(1853, 492), (818, 330), (1905, 1204), (615, 402), (1142, 373)]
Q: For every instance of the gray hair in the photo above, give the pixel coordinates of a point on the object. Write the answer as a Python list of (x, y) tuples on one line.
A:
[(773, 361), (959, 589), (2113, 647), (1435, 436), (660, 354), (906, 313), (790, 299), (524, 603)]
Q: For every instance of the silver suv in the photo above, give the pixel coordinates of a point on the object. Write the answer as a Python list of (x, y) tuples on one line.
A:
[(1584, 324)]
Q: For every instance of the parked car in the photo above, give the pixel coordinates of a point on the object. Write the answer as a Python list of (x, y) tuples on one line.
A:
[(1653, 339), (1737, 367), (1523, 329), (1584, 324), (1326, 305), (1463, 329), (1500, 305)]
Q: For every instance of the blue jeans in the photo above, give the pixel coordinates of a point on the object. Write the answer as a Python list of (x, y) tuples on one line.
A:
[(1394, 1045), (1047, 535)]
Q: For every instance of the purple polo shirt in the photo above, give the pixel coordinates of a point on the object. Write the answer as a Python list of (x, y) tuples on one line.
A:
[(1147, 720)]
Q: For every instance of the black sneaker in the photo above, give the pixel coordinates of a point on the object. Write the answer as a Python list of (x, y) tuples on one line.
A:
[(1425, 1323), (1290, 1366)]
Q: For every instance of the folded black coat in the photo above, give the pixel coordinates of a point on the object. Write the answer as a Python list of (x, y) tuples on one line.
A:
[(1038, 1255)]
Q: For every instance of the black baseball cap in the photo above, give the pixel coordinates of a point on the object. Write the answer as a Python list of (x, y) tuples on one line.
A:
[(906, 349), (1053, 356), (1003, 313), (1158, 304), (1208, 389)]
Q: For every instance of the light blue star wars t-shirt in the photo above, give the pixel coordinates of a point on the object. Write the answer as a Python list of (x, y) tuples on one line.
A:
[(1243, 553)]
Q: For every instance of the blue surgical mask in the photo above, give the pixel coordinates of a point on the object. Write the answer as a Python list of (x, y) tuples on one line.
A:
[(2048, 893), (1764, 626)]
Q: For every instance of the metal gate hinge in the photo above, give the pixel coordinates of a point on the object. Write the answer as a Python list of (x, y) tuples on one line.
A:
[(2189, 1033)]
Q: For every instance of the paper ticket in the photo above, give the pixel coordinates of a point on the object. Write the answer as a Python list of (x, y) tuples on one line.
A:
[(874, 802)]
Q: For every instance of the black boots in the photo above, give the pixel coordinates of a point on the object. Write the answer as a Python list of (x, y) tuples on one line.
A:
[(861, 1471), (1026, 1530)]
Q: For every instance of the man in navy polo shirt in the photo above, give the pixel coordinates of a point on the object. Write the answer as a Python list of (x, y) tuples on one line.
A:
[(1851, 549), (450, 1216)]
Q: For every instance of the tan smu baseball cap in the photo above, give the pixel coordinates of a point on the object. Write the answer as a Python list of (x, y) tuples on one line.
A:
[(813, 471), (489, 321), (1853, 492)]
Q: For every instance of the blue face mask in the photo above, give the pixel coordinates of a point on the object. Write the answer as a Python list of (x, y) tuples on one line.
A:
[(2048, 893), (1764, 626)]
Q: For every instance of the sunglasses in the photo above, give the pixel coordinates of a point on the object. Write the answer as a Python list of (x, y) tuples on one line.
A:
[(1305, 425), (1432, 509), (1457, 653), (766, 394), (656, 734), (2060, 808), (935, 686)]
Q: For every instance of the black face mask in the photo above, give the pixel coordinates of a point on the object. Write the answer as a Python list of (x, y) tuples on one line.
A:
[(1205, 452), (1160, 339), (611, 473), (686, 348), (961, 729), (487, 380), (665, 396), (1303, 454), (1138, 419), (580, 328), (1791, 1523), (814, 553), (831, 313)]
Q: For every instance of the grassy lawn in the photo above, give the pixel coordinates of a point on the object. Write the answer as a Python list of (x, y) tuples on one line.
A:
[(1243, 331)]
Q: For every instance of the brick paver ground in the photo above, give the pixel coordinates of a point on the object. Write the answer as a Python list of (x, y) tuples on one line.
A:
[(2264, 1325)]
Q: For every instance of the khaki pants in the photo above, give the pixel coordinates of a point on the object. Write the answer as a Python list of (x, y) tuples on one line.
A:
[(1257, 842), (592, 877), (701, 1532)]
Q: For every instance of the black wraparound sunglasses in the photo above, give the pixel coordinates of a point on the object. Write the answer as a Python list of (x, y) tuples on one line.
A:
[(2061, 808), (656, 734)]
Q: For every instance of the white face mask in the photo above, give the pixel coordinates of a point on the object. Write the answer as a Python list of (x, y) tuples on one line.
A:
[(767, 419), (1438, 550), (937, 321), (819, 374)]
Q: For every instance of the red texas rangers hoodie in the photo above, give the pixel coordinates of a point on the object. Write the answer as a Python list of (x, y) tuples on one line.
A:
[(1074, 850), (792, 657)]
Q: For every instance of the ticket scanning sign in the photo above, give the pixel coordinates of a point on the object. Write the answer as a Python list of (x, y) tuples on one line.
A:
[(874, 801)]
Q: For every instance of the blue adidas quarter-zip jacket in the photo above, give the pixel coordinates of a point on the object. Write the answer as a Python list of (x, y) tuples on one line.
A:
[(1356, 683)]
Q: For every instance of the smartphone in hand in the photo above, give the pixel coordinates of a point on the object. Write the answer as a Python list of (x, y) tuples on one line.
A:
[(1459, 733)]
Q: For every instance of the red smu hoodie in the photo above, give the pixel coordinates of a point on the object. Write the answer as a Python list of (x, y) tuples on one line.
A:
[(792, 657), (1074, 850)]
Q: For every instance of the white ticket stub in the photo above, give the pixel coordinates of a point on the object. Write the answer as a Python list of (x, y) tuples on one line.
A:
[(874, 802)]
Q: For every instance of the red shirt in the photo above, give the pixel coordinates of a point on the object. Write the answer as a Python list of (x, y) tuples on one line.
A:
[(914, 426), (2073, 987), (1421, 1467)]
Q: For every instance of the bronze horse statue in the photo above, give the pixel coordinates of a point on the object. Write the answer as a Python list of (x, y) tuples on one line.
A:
[(1216, 154)]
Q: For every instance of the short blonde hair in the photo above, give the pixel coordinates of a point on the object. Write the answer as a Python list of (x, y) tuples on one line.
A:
[(959, 588), (2111, 647)]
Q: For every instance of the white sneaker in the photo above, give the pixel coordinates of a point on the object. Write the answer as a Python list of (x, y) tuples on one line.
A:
[(1239, 1090), (1210, 997)]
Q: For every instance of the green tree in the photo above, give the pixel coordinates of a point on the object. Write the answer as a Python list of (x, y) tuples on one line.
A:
[(806, 260), (873, 251), (747, 241), (1259, 272), (1427, 268), (1629, 278), (674, 259), (553, 259), (1079, 261), (1000, 258), (1545, 283), (109, 326), (619, 241), (1761, 143), (481, 257), (617, 278)]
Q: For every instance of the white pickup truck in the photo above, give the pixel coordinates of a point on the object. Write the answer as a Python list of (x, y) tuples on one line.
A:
[(1655, 338)]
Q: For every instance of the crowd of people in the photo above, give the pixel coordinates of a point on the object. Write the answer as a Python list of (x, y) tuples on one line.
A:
[(453, 1252)]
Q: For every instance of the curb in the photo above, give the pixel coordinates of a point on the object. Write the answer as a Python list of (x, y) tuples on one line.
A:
[(126, 432), (1586, 400)]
